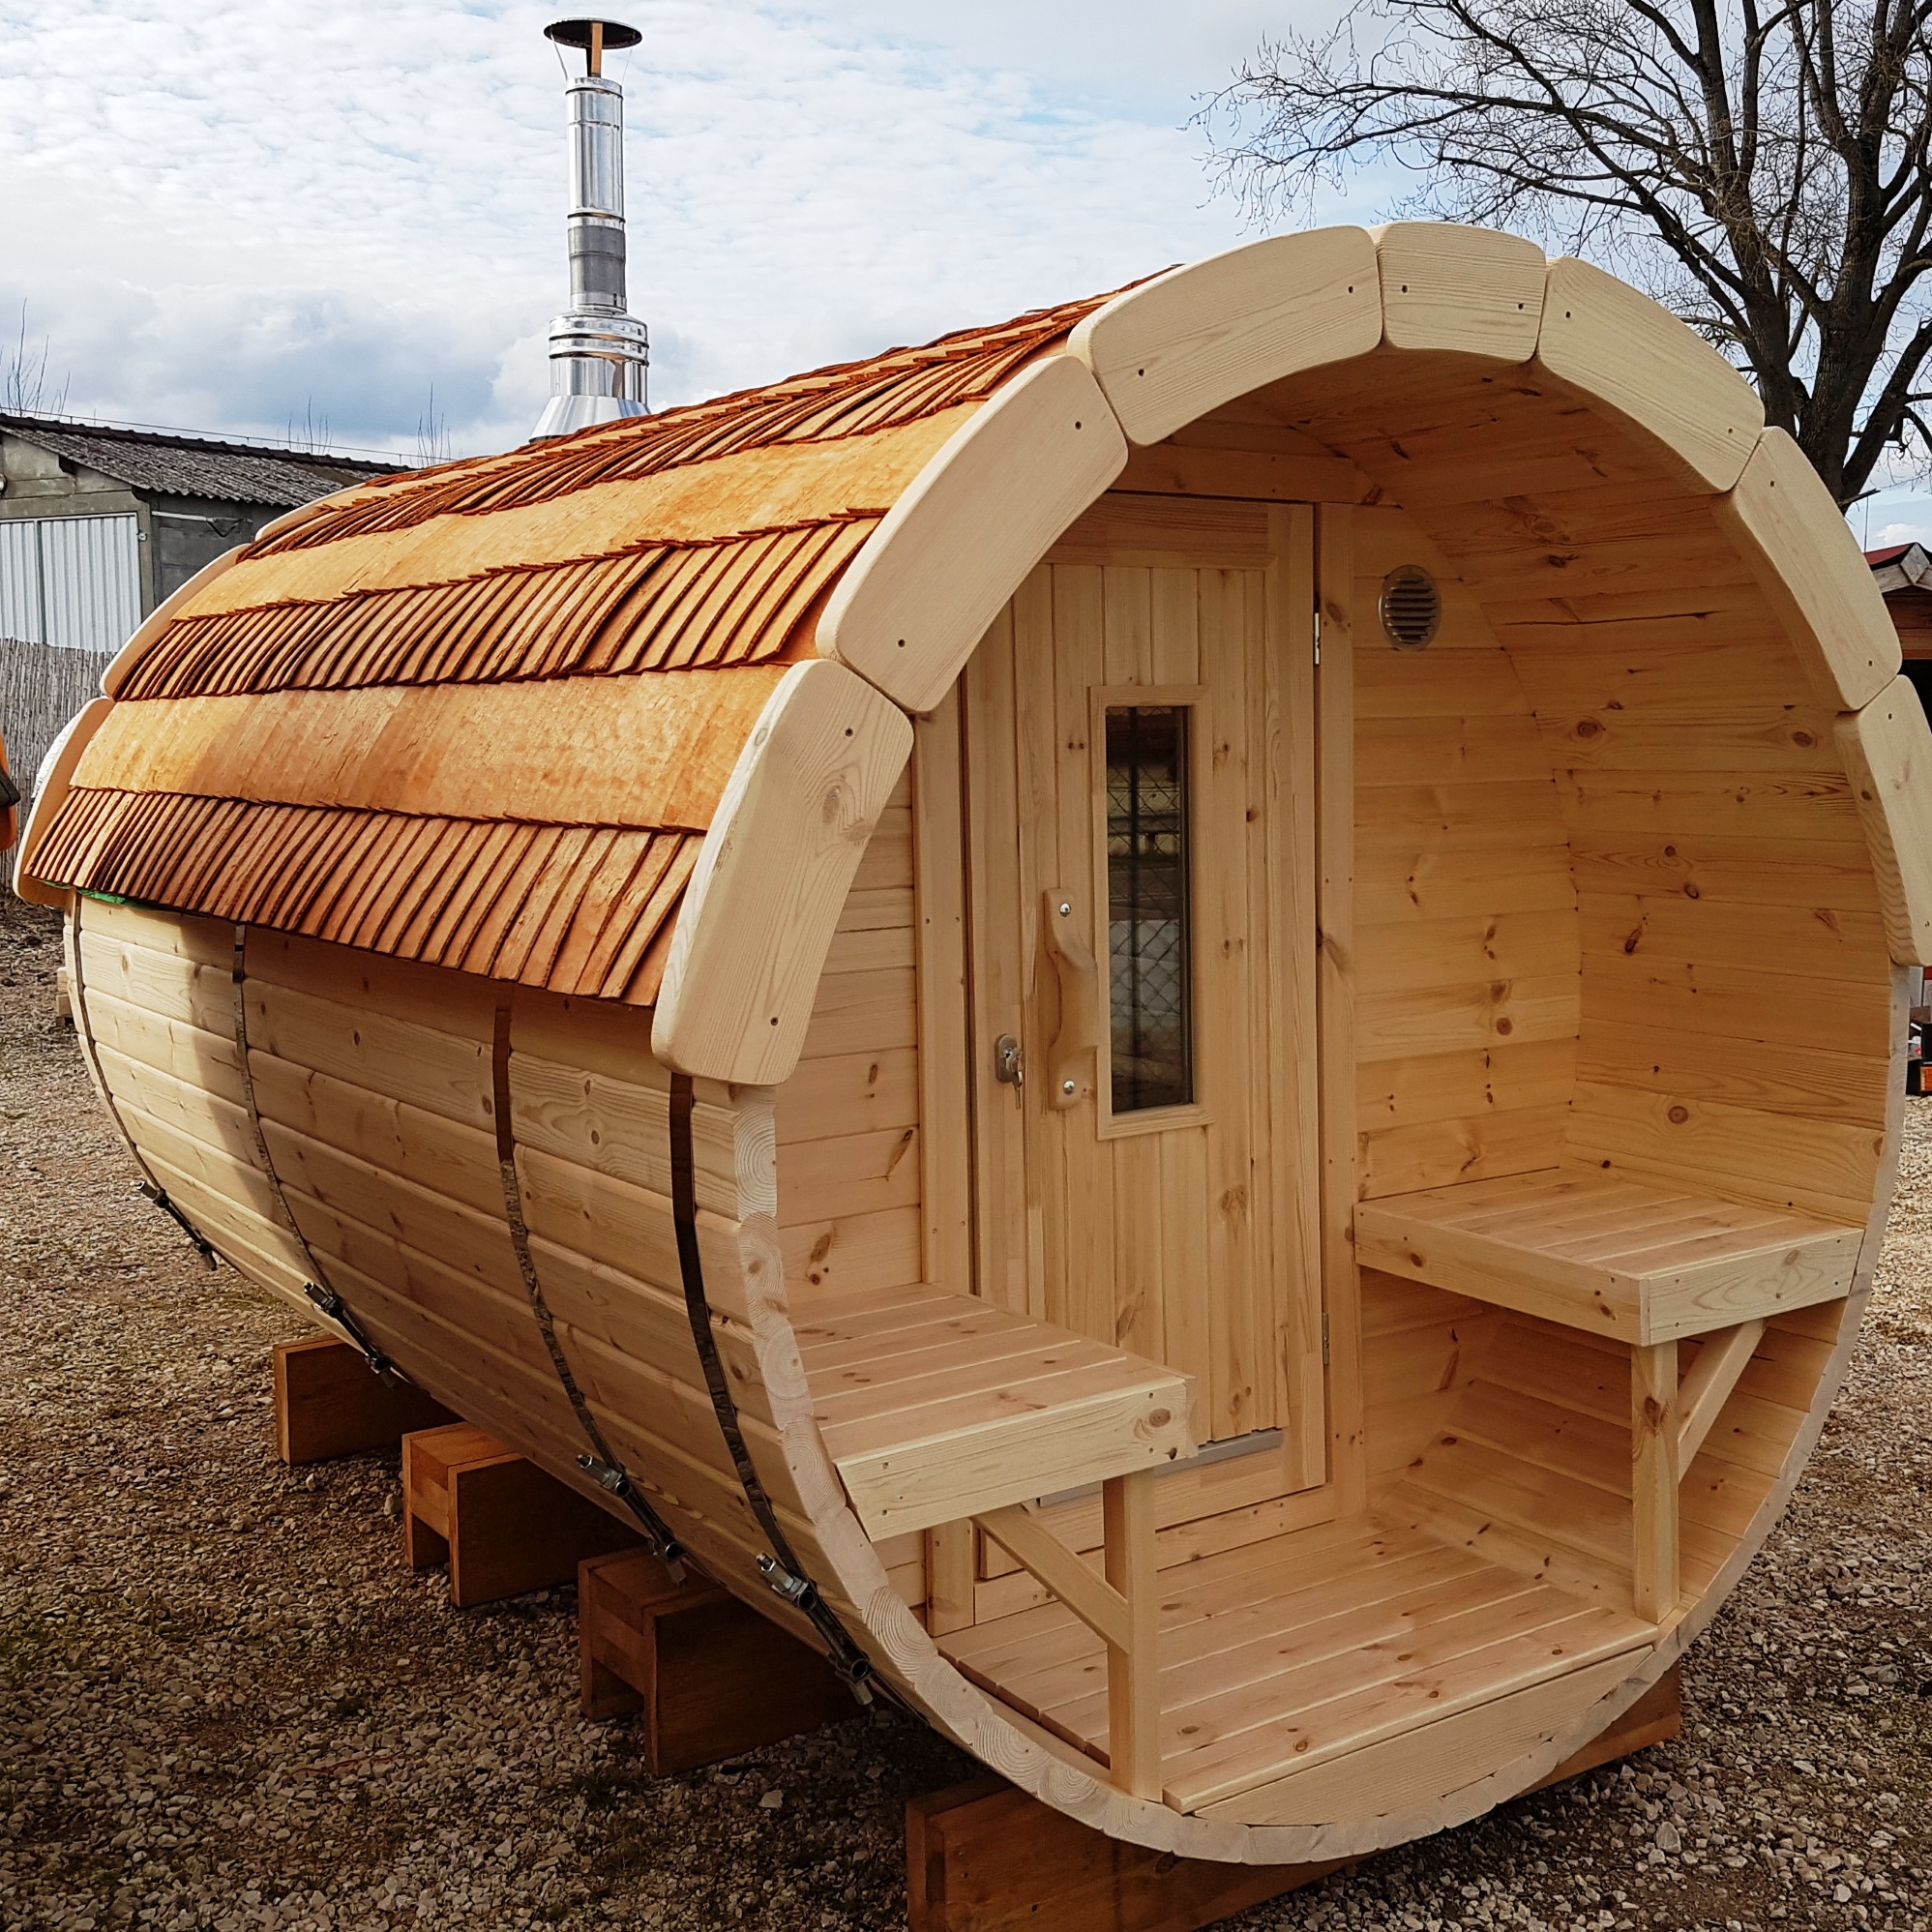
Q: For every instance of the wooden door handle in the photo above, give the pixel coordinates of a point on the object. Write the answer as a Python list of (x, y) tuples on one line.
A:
[(1068, 1079)]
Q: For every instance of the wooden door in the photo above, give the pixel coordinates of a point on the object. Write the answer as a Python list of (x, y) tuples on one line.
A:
[(1137, 742)]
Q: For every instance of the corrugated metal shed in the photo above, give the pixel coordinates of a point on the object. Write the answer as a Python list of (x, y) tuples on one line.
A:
[(177, 465), (73, 581)]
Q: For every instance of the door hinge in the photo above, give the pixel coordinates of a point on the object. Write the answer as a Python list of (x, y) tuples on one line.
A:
[(1324, 1338), (1318, 638)]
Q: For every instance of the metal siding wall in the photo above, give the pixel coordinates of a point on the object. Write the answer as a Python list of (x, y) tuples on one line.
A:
[(75, 581), (20, 581), (92, 569)]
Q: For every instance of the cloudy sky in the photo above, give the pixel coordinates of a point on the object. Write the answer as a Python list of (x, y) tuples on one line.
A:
[(307, 213), (235, 216)]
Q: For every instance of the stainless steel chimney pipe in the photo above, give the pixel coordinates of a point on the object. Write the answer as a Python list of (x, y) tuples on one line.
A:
[(600, 353)]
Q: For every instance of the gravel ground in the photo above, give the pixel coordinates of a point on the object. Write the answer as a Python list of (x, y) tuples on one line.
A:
[(226, 1703)]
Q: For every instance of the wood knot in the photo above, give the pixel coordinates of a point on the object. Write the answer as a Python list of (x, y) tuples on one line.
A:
[(1159, 1419), (1677, 1115), (1588, 727)]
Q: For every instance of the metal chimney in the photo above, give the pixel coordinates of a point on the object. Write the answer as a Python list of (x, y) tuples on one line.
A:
[(600, 354)]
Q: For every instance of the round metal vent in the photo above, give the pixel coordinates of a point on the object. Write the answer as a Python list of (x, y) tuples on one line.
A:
[(1411, 607)]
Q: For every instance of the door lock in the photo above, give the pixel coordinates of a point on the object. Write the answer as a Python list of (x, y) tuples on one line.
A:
[(1009, 1063)]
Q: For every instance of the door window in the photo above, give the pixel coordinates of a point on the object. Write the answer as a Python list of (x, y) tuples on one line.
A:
[(1147, 923)]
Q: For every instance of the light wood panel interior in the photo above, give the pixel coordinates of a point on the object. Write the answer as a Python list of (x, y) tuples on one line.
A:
[(1468, 978), (1183, 1232), (1604, 909)]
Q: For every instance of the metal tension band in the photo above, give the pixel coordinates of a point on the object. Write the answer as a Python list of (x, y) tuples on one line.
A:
[(152, 1190), (603, 1466), (779, 1568), (336, 1310)]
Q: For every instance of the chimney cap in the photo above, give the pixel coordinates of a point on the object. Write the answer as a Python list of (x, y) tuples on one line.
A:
[(583, 34)]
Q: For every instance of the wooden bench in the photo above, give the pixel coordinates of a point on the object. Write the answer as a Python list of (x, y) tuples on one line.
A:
[(1641, 1264), (941, 1409)]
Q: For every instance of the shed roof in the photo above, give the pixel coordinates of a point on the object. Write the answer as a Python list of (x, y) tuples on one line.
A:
[(1900, 567), (483, 715), (179, 465)]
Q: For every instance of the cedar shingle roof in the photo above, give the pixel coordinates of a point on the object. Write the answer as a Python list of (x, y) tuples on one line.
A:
[(296, 749)]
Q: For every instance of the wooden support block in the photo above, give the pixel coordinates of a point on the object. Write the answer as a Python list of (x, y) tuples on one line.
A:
[(505, 1526), (712, 1678), (328, 1403), (985, 1858), (63, 993)]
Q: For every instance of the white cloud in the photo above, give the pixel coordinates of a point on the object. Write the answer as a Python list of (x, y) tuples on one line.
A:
[(1900, 533), (229, 215)]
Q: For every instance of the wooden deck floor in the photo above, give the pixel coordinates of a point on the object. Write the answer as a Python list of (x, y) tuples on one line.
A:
[(1281, 1656)]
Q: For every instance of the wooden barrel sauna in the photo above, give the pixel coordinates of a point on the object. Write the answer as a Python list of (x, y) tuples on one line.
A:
[(1271, 1394)]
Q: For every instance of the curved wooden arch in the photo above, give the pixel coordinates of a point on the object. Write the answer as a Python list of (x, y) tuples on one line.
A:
[(1201, 337)]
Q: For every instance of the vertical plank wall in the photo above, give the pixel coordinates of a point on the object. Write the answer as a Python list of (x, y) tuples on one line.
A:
[(849, 1154), (1468, 962), (848, 1161)]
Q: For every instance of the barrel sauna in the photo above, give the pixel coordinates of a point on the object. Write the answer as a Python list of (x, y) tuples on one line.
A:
[(1180, 1023)]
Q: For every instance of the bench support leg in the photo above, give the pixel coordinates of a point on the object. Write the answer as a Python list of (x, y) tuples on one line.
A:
[(950, 1581), (985, 1858), (1654, 1473), (1134, 1668), (711, 1676), (1121, 1608)]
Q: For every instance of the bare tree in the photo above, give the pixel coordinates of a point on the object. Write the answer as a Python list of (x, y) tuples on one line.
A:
[(23, 379), (1763, 169), (432, 435)]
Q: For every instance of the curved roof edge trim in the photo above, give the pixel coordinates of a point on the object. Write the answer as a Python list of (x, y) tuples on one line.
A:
[(771, 879), (1470, 291), (1175, 348), (1197, 337), (1807, 563), (56, 772), (1630, 354), (1888, 752), (916, 600)]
